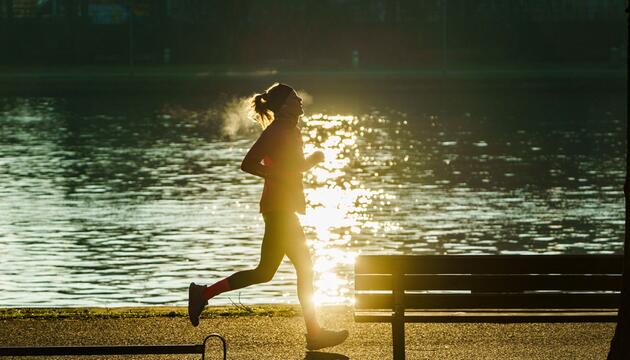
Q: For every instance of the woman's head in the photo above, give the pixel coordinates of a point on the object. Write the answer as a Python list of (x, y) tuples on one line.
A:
[(280, 101)]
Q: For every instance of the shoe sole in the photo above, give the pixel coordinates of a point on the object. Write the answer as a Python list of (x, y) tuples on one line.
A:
[(190, 294), (312, 348)]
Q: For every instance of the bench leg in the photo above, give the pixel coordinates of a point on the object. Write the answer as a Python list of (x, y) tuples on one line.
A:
[(398, 337)]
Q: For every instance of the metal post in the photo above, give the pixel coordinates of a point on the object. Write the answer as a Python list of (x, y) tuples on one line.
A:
[(444, 35), (223, 343), (83, 9), (618, 345), (130, 7), (624, 316), (398, 322), (625, 306), (55, 7)]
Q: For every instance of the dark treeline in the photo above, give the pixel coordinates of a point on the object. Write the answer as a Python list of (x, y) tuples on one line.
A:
[(333, 33)]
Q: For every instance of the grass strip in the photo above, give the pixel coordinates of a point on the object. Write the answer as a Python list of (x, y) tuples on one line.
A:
[(147, 312)]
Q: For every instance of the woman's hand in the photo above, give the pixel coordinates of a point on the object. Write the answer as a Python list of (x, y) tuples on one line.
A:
[(313, 159), (317, 157)]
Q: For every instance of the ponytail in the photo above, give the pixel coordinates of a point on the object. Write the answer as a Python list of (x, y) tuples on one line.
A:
[(260, 107)]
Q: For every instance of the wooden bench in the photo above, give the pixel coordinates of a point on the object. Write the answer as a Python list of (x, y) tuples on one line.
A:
[(115, 349), (485, 288)]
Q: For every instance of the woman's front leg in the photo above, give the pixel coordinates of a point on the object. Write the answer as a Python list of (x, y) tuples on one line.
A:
[(300, 257)]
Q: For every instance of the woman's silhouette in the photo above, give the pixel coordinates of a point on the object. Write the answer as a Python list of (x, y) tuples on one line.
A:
[(277, 156)]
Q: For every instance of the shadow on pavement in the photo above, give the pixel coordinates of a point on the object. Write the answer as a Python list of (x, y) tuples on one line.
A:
[(317, 355)]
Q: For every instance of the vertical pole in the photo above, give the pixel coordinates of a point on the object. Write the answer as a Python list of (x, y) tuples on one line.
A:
[(443, 10), (618, 345), (130, 33), (84, 52), (12, 53), (70, 8), (398, 322), (624, 316), (55, 7), (83, 7), (444, 35)]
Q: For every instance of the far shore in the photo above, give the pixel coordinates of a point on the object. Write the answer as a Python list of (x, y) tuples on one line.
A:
[(196, 79)]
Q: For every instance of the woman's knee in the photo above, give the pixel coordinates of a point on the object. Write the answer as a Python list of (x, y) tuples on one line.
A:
[(304, 274), (263, 274)]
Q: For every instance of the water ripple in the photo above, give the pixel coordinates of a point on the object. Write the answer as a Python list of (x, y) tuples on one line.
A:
[(123, 204)]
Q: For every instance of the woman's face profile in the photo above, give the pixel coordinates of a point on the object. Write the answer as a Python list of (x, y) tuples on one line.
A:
[(292, 105)]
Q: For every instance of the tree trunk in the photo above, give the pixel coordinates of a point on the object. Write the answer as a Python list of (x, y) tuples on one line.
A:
[(619, 347)]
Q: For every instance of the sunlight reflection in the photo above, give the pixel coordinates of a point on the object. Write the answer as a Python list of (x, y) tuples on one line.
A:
[(337, 205)]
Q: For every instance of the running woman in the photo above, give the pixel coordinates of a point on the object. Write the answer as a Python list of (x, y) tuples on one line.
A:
[(277, 156)]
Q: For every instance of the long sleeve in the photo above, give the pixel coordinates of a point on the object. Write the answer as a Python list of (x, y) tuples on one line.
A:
[(252, 162)]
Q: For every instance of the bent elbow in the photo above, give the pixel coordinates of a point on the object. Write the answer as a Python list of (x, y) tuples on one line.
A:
[(248, 167)]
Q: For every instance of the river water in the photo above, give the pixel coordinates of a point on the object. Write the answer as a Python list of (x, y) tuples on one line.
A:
[(122, 201)]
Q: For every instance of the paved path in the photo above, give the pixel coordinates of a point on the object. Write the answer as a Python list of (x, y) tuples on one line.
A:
[(281, 337)]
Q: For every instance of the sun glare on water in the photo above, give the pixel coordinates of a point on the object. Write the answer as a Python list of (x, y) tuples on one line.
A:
[(337, 203)]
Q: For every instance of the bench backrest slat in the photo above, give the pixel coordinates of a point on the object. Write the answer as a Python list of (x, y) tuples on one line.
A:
[(489, 282), (491, 301), (503, 283), (490, 264)]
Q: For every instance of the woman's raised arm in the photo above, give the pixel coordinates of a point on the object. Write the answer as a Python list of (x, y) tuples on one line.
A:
[(252, 162)]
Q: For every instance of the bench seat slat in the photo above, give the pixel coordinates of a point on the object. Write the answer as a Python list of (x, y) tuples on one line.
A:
[(491, 300), (490, 264), (559, 315), (504, 283)]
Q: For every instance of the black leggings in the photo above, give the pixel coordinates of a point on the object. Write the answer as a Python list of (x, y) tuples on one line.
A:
[(283, 236)]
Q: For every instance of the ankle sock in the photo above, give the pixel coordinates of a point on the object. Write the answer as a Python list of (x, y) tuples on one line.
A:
[(217, 288)]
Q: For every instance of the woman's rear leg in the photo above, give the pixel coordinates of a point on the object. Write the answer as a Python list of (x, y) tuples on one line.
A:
[(271, 254)]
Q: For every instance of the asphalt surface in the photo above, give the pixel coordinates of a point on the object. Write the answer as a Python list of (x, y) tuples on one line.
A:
[(282, 337)]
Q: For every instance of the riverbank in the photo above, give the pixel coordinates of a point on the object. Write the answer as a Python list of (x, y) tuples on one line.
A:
[(195, 79), (276, 332), (93, 313)]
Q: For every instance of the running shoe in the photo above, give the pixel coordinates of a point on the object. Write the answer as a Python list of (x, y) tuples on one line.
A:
[(196, 302), (325, 338)]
